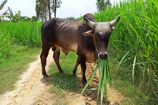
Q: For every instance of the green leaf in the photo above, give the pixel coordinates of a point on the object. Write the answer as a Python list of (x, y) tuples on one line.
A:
[(90, 79)]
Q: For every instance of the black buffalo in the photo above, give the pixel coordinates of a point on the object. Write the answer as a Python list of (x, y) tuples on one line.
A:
[(88, 38)]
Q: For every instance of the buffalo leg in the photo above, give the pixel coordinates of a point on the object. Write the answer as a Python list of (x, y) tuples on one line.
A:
[(76, 65), (43, 56), (56, 59), (83, 67)]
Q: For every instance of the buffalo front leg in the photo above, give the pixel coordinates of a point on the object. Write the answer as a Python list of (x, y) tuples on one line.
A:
[(56, 59), (76, 65), (83, 67), (43, 56)]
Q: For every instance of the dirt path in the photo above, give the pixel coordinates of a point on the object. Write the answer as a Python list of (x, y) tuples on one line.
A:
[(28, 88), (31, 91)]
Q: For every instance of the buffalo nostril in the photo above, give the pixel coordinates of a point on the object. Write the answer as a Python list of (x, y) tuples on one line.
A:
[(102, 56)]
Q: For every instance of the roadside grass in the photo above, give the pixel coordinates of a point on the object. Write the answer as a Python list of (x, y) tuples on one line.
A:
[(19, 44), (131, 94), (14, 65), (62, 83)]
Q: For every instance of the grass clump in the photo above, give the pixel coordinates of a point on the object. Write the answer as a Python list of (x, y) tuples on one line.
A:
[(104, 78)]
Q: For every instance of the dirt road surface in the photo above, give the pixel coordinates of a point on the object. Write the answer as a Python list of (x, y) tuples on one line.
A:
[(30, 90)]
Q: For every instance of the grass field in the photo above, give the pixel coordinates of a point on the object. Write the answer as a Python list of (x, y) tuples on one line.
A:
[(16, 64), (25, 33), (21, 33), (18, 43)]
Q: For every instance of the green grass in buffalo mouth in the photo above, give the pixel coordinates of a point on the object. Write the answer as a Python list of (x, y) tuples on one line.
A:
[(104, 78)]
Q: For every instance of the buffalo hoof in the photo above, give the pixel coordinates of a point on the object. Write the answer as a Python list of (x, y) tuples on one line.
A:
[(61, 72), (44, 79), (84, 82), (45, 75), (74, 74)]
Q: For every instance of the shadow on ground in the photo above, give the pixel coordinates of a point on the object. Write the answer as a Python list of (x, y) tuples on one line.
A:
[(65, 82)]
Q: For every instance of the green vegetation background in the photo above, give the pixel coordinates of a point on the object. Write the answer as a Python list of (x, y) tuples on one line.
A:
[(133, 49)]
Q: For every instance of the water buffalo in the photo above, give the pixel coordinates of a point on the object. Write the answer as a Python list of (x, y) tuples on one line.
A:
[(88, 38)]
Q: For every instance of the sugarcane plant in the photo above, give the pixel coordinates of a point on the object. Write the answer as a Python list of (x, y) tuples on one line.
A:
[(105, 77)]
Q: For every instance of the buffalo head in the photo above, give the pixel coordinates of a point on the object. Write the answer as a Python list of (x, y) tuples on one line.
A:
[(100, 31)]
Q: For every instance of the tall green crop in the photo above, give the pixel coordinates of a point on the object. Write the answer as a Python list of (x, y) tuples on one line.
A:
[(23, 33), (26, 33), (104, 78), (134, 43)]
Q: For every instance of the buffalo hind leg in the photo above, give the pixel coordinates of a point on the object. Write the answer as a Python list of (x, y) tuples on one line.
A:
[(43, 56), (56, 59)]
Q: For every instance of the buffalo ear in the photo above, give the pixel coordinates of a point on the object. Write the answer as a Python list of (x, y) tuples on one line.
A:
[(88, 33)]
